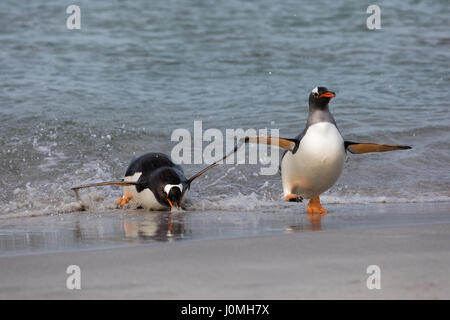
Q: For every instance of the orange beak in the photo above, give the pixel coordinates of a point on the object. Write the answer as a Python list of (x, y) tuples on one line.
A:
[(171, 204), (328, 94)]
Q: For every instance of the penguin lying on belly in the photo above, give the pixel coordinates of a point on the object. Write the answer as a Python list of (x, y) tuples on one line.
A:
[(313, 161), (153, 182)]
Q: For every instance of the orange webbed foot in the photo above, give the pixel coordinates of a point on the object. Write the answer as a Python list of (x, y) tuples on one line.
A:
[(293, 198), (124, 200), (314, 206)]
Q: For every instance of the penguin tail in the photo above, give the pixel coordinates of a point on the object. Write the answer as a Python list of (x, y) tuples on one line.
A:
[(360, 148)]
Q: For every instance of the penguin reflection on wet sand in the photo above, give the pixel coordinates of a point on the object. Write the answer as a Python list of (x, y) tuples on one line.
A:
[(314, 160), (162, 226), (153, 182)]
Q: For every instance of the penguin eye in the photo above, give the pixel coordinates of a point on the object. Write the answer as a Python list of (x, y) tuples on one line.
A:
[(315, 92)]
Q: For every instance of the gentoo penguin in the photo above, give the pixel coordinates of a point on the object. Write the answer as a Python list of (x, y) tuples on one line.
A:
[(314, 160), (153, 182)]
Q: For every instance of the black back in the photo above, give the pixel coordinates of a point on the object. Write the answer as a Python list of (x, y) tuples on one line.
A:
[(149, 162), (157, 170)]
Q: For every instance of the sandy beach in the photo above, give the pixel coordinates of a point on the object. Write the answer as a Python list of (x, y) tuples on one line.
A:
[(297, 263)]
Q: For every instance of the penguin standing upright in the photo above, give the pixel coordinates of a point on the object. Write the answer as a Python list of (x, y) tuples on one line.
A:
[(314, 160)]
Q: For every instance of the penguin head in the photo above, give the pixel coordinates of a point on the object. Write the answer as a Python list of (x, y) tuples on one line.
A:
[(320, 96), (174, 194), (169, 186)]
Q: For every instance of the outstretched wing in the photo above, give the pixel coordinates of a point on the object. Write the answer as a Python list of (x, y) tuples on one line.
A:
[(100, 184), (362, 147), (283, 143), (201, 172), (109, 183)]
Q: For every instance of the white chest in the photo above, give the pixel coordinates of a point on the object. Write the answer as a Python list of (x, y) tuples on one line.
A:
[(145, 198), (317, 164)]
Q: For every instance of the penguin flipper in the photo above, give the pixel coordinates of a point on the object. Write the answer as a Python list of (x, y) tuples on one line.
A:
[(282, 143), (108, 183), (198, 174), (360, 148), (100, 184)]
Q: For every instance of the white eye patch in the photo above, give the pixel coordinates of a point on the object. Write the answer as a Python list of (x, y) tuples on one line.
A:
[(315, 90), (168, 187)]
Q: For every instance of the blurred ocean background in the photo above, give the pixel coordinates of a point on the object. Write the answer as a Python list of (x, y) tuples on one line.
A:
[(77, 105)]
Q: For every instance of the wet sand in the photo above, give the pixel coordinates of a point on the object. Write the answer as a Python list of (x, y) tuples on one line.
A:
[(293, 263), (414, 264)]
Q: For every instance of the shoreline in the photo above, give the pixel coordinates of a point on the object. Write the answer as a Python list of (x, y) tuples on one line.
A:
[(306, 265), (130, 228)]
